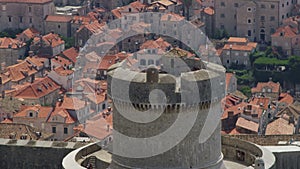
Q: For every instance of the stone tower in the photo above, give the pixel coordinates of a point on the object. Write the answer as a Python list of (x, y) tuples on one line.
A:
[(178, 95)]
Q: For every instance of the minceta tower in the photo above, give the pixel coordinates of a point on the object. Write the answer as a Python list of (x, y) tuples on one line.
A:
[(167, 114)]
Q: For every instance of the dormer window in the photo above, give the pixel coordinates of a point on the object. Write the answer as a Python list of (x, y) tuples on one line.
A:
[(269, 90), (30, 114), (129, 10)]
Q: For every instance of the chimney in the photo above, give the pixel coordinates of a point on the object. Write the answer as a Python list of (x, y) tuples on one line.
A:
[(3, 94), (30, 53), (108, 128), (49, 59), (32, 78), (85, 102)]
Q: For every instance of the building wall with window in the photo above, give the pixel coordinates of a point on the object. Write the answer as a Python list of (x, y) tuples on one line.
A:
[(256, 20), (60, 130), (25, 13), (62, 28), (147, 57), (236, 57)]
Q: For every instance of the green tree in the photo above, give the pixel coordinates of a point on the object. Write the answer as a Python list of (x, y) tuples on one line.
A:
[(69, 42), (11, 33), (294, 69)]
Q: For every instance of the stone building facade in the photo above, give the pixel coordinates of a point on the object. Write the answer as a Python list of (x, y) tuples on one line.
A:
[(25, 13), (59, 24), (205, 155), (253, 19), (11, 50)]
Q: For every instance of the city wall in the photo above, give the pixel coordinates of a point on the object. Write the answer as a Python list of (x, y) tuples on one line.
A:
[(24, 154)]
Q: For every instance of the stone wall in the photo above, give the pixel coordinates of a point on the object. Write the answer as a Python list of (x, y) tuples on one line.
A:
[(231, 147), (24, 154), (267, 140)]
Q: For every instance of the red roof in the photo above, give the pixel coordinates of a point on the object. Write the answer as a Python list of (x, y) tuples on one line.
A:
[(228, 78), (263, 102), (90, 85), (39, 88), (42, 111), (58, 18), (50, 39), (7, 121), (99, 127), (11, 43), (21, 70), (280, 126), (72, 103), (236, 109), (247, 124), (107, 61), (286, 98), (63, 71), (285, 31), (261, 85), (97, 98), (160, 43), (94, 27), (30, 33), (209, 11), (172, 17), (68, 119), (27, 1), (71, 54)]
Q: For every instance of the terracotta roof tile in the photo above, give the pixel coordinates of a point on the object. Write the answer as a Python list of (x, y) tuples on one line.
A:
[(247, 124), (280, 126), (209, 11), (21, 70), (68, 119), (43, 112), (58, 18), (239, 47), (27, 1), (285, 31), (71, 54), (260, 85), (7, 121), (237, 40), (39, 88), (236, 109), (94, 27), (50, 39), (71, 103), (97, 98), (61, 61), (30, 33), (82, 20), (63, 71), (5, 78), (107, 61), (9, 42), (99, 127), (228, 79), (286, 98), (263, 102), (160, 43), (172, 17)]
